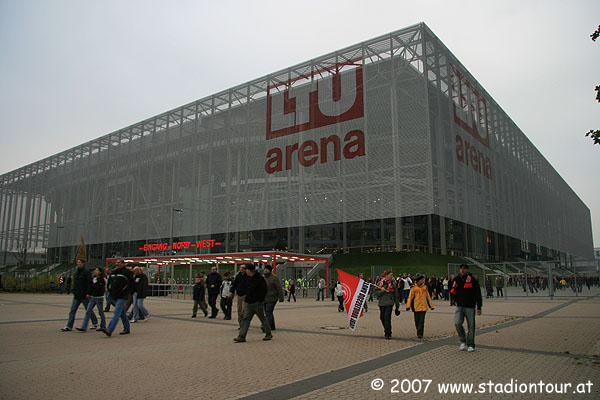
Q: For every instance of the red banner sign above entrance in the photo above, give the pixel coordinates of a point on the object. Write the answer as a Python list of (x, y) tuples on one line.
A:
[(180, 245)]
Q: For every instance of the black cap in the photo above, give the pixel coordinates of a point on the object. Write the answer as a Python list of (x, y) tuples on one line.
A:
[(269, 267), (249, 266), (418, 277)]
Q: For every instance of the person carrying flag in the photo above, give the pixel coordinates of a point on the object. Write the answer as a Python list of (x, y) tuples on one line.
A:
[(387, 293)]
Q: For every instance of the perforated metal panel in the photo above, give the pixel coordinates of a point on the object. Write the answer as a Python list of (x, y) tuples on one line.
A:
[(364, 133)]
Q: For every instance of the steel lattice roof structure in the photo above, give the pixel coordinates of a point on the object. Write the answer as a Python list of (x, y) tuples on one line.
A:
[(391, 127)]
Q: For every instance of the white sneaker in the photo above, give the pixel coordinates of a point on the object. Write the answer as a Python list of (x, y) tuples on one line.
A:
[(462, 346), (470, 349)]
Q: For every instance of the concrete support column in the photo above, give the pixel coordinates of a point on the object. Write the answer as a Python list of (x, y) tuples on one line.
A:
[(473, 239), (429, 234), (398, 233), (443, 235), (345, 237), (301, 248), (466, 239), (496, 246)]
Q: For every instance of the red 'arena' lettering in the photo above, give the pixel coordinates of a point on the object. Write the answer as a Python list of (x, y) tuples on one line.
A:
[(354, 146)]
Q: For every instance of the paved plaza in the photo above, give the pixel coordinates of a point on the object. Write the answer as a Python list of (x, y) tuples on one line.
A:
[(538, 341)]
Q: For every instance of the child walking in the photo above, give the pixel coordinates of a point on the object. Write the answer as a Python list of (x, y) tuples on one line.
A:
[(418, 300)]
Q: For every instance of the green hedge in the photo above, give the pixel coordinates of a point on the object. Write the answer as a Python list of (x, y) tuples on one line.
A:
[(39, 283)]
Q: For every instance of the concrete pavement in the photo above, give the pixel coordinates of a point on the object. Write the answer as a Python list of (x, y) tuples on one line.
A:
[(312, 355)]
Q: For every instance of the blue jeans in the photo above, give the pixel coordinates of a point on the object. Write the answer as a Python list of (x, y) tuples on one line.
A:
[(459, 316), (138, 305), (269, 308), (74, 306), (321, 293), (108, 300), (120, 312), (94, 301)]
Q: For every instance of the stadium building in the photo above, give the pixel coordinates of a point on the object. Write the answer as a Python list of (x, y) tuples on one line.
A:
[(387, 145)]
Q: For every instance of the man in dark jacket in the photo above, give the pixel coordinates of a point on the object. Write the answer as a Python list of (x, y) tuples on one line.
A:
[(213, 284), (121, 286), (240, 288), (274, 293), (257, 290), (141, 291), (81, 289), (199, 294), (467, 295)]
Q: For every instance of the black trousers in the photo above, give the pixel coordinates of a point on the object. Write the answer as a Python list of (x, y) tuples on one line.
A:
[(385, 315), (420, 322), (226, 306), (212, 302)]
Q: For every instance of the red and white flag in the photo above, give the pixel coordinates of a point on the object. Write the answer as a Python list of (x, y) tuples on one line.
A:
[(356, 292)]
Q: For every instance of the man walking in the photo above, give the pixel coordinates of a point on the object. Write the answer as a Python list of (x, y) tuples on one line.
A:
[(499, 286), (467, 295), (240, 288), (213, 284), (274, 293), (141, 291), (257, 290), (121, 286), (81, 291), (199, 293), (321, 289)]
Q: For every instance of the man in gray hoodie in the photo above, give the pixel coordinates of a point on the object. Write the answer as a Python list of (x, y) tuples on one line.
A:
[(274, 293)]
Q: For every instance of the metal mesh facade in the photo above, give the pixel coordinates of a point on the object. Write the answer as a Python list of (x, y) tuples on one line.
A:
[(367, 132)]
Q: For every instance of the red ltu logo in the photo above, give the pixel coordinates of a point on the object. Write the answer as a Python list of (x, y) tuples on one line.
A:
[(305, 103)]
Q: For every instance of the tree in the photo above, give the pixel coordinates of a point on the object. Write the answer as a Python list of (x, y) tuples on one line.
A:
[(595, 134)]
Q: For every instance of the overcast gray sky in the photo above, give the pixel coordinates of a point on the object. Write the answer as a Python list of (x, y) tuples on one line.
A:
[(71, 71)]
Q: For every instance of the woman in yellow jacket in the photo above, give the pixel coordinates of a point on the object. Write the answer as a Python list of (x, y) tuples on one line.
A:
[(418, 300)]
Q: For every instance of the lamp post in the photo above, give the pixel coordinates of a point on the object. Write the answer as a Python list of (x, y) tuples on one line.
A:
[(57, 228), (173, 211)]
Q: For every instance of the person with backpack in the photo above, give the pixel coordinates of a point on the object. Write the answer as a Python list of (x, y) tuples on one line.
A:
[(121, 285)]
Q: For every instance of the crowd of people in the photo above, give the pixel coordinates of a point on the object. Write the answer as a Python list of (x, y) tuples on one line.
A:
[(418, 292), (125, 288)]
